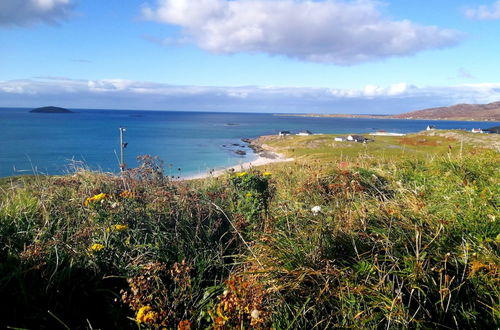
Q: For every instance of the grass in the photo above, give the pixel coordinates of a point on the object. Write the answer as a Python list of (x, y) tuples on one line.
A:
[(359, 236), (414, 146)]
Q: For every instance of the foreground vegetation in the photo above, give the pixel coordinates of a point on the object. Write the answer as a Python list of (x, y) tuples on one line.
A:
[(334, 240)]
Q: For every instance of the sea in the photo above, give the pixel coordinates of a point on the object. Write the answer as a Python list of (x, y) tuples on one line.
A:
[(188, 143)]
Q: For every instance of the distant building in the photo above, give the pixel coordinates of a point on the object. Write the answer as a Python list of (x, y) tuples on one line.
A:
[(284, 133), (340, 138), (356, 138), (477, 130), (430, 128), (304, 133)]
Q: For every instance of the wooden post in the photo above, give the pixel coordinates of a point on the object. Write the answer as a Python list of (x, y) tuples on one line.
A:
[(122, 146)]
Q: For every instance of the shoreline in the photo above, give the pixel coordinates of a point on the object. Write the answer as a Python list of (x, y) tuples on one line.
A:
[(264, 157), (353, 116)]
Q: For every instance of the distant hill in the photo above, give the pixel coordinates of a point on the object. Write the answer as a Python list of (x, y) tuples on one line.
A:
[(51, 110), (480, 112)]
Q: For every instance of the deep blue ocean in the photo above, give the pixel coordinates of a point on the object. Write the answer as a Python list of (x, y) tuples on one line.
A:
[(193, 142)]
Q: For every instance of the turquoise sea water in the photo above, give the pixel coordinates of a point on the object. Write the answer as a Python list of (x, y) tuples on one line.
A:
[(192, 141)]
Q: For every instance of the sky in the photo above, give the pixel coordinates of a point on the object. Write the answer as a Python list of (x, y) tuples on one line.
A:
[(295, 56)]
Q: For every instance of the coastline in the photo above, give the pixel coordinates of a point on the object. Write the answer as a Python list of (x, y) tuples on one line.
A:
[(386, 117), (264, 157)]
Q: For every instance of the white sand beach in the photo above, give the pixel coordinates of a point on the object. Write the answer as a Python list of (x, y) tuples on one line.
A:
[(263, 158)]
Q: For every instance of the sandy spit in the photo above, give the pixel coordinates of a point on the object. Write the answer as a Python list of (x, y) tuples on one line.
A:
[(264, 158)]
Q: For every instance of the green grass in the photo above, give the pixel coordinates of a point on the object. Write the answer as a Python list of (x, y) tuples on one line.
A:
[(413, 146), (406, 237)]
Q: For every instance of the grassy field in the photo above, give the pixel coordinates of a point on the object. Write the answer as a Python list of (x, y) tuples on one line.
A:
[(402, 232), (385, 148)]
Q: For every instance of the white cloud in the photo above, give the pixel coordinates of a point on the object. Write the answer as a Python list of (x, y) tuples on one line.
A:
[(398, 89), (330, 31), (128, 94), (372, 91), (484, 12), (28, 12)]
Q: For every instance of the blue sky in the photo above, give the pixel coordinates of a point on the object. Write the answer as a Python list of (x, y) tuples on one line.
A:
[(249, 55)]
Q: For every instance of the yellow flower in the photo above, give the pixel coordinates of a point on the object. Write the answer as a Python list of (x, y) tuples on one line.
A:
[(95, 198), (146, 315), (241, 174), (249, 194), (117, 228), (266, 173), (96, 247)]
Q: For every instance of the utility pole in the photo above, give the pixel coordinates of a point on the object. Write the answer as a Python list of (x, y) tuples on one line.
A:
[(123, 145)]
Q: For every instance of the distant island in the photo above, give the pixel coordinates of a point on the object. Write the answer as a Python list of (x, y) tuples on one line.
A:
[(472, 112), (51, 110)]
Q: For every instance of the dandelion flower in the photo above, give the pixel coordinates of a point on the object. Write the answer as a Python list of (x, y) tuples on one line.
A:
[(266, 173), (248, 195), (241, 174), (95, 198), (146, 315), (117, 228), (316, 209), (96, 247)]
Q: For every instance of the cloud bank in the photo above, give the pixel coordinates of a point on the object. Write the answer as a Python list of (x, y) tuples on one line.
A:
[(331, 31), (28, 12), (484, 12), (127, 94)]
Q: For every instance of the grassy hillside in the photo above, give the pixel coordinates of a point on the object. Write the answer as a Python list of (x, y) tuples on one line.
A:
[(359, 236), (480, 112)]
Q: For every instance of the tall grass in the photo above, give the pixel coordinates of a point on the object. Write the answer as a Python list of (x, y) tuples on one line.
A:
[(364, 244)]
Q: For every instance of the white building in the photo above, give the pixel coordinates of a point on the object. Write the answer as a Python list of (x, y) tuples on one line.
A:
[(356, 138)]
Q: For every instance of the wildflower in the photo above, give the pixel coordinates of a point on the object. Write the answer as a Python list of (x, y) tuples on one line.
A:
[(146, 314), (127, 194), (184, 325), (96, 247), (95, 198), (117, 228), (248, 195), (255, 314), (316, 209), (266, 173), (241, 174), (255, 317)]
